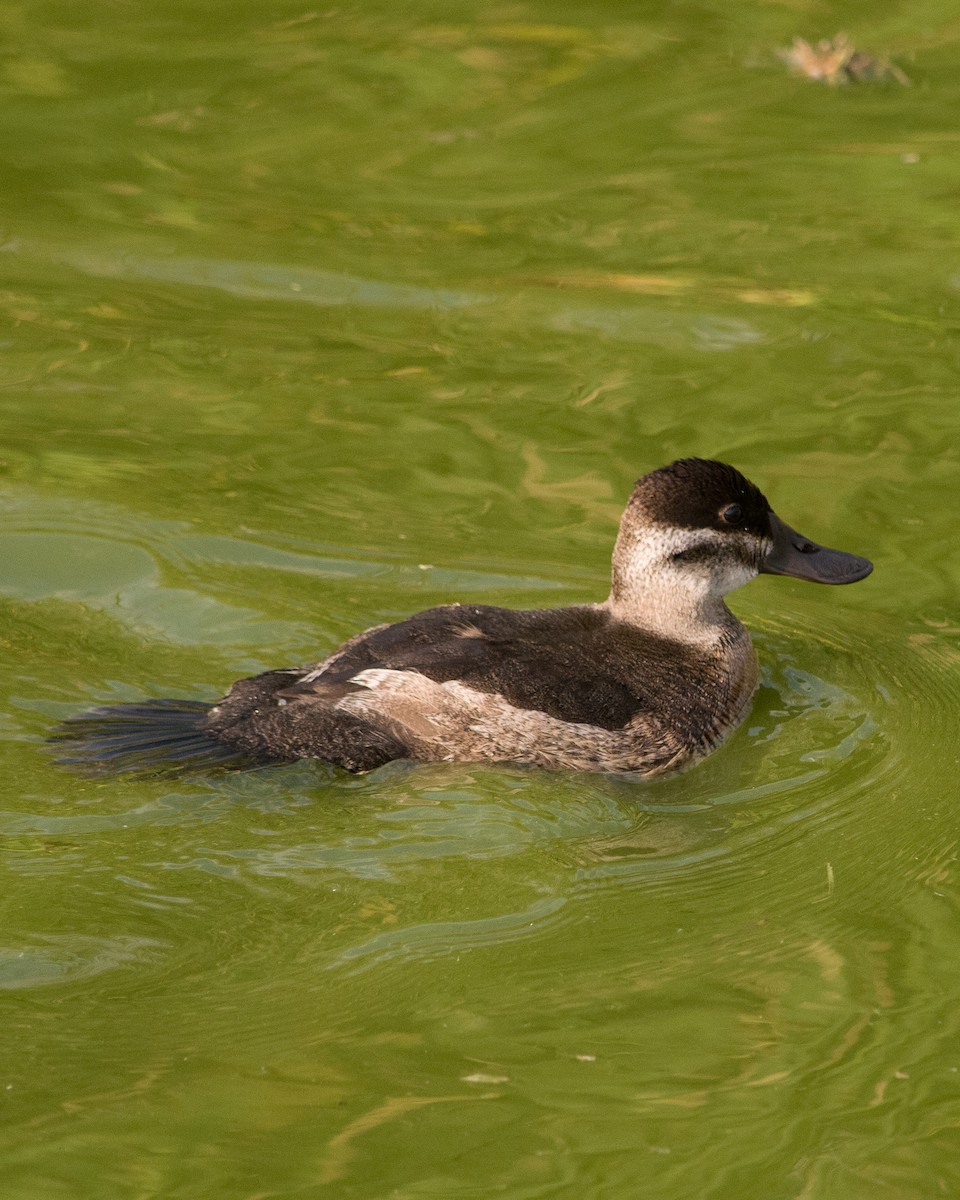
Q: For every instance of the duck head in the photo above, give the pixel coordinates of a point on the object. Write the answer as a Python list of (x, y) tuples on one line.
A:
[(695, 530)]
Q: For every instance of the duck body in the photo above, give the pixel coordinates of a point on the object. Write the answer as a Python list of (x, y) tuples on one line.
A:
[(561, 688), (646, 682)]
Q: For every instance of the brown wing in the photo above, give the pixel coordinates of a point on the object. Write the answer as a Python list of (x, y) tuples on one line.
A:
[(574, 664)]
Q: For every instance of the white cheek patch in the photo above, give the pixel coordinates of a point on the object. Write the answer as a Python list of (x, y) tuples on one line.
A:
[(692, 552), (663, 570)]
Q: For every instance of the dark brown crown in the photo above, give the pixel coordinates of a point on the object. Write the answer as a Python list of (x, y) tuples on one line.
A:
[(692, 493)]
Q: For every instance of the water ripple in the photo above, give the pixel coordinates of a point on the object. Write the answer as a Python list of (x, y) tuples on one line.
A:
[(56, 959), (444, 939)]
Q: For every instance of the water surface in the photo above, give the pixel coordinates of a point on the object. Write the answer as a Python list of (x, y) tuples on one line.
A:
[(314, 318)]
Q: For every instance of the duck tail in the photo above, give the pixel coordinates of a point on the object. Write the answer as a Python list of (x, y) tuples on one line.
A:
[(154, 735)]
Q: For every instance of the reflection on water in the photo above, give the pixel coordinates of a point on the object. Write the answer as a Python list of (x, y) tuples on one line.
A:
[(263, 281), (56, 960)]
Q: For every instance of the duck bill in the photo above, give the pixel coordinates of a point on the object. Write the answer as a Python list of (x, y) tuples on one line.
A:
[(793, 554)]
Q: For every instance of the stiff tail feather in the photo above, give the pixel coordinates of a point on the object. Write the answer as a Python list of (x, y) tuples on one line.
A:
[(154, 735)]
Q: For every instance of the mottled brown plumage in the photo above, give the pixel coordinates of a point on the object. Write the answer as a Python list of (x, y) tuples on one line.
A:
[(646, 682)]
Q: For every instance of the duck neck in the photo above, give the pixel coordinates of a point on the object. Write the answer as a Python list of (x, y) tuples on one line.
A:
[(678, 605)]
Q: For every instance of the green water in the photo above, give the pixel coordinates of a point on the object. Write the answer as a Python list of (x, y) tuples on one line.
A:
[(312, 318)]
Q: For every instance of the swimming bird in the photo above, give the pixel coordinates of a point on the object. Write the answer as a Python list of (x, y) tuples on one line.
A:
[(646, 682)]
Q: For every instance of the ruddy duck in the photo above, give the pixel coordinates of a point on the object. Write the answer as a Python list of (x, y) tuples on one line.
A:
[(646, 682)]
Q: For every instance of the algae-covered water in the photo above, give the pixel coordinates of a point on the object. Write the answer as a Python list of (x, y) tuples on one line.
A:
[(314, 317)]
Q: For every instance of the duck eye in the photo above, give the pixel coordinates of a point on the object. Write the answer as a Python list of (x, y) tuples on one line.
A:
[(732, 515)]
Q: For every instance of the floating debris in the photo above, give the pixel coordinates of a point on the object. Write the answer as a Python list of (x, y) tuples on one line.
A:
[(836, 62)]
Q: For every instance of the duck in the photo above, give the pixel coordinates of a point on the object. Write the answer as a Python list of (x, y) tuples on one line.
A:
[(644, 683)]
